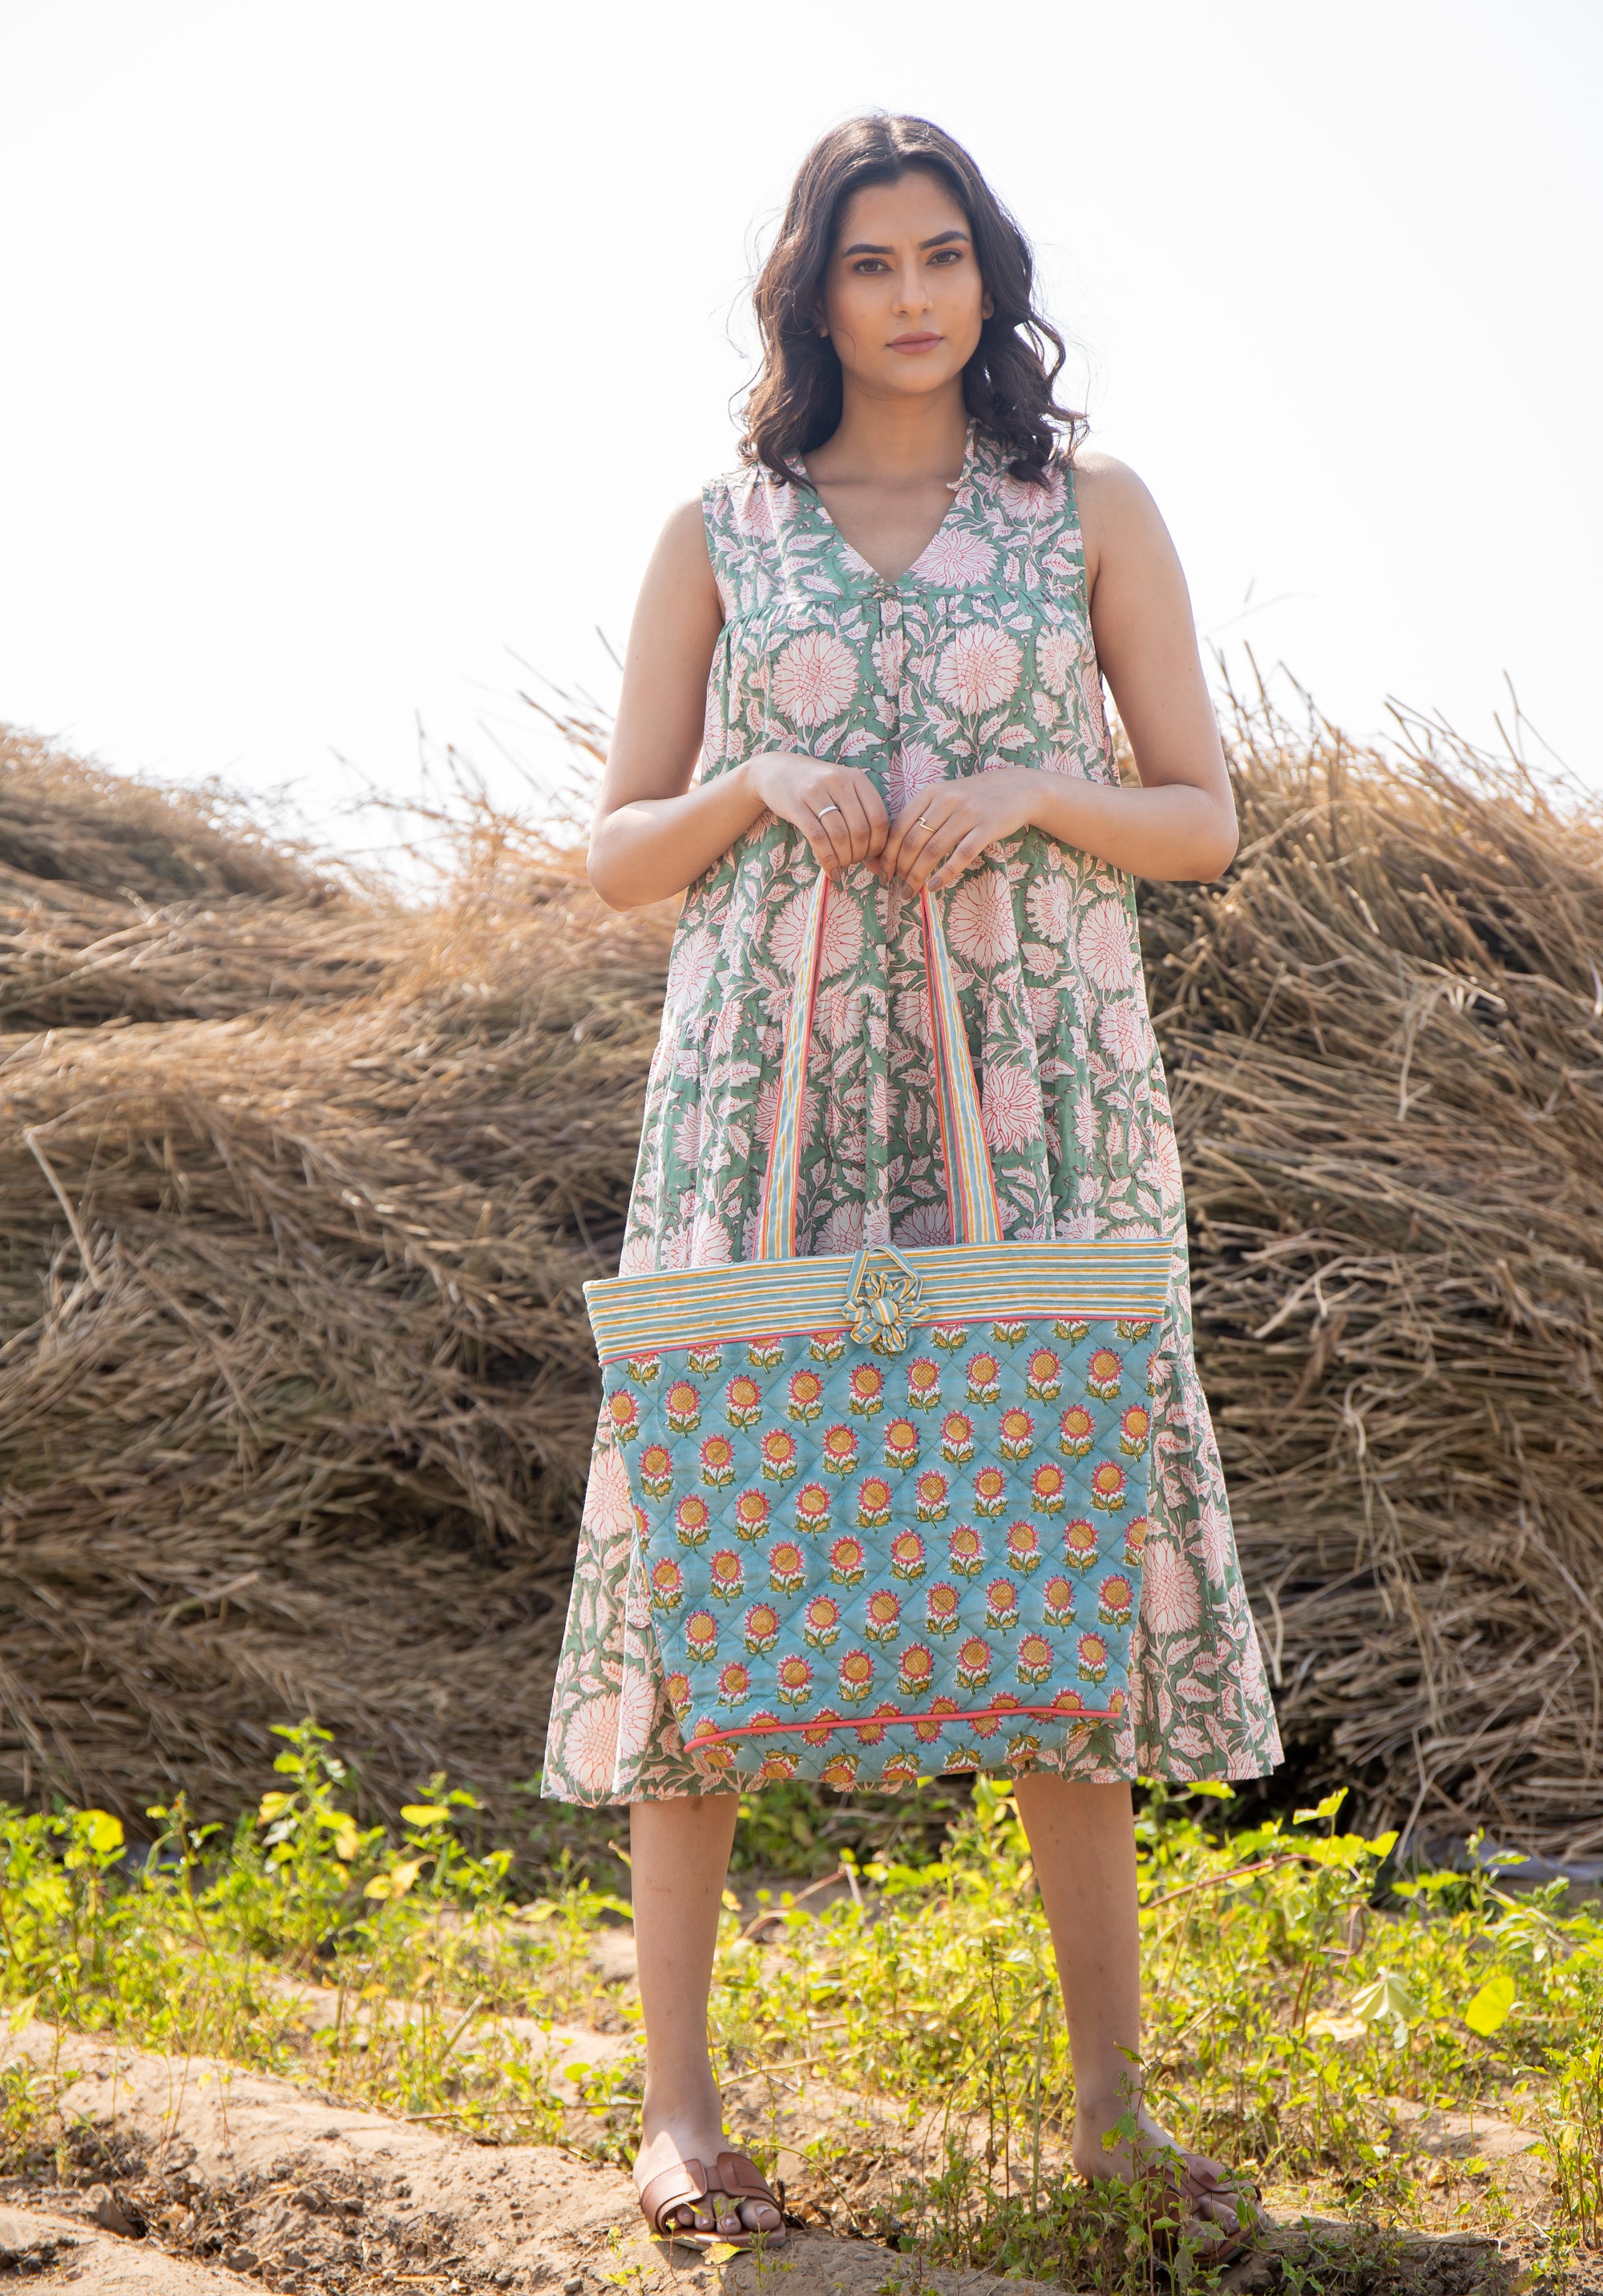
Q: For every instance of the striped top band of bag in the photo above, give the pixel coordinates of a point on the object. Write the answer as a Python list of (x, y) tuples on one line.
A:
[(1024, 1282)]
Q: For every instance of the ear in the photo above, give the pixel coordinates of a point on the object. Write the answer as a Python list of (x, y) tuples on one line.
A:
[(988, 309)]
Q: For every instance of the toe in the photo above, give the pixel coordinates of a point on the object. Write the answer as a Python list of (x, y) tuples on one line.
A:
[(760, 2216)]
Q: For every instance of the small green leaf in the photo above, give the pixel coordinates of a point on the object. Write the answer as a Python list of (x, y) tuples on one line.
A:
[(104, 1832), (1492, 2006), (1385, 2001), (1326, 1808), (425, 1813)]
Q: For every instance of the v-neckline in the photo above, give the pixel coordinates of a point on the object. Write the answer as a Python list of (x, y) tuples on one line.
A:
[(959, 487)]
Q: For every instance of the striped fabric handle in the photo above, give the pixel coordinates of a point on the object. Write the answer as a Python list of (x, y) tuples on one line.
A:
[(970, 1188), (971, 1191)]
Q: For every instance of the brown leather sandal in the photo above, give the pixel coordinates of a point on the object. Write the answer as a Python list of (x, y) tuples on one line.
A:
[(687, 2185)]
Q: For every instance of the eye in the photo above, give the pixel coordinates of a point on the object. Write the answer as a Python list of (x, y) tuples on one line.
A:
[(865, 264)]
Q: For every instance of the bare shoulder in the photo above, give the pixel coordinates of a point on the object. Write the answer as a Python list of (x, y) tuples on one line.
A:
[(1110, 495), (1118, 518), (679, 579), (684, 538)]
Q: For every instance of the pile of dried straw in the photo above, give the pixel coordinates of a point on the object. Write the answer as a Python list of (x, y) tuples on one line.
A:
[(298, 1183)]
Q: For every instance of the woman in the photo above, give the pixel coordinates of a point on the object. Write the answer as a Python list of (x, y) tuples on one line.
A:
[(885, 636)]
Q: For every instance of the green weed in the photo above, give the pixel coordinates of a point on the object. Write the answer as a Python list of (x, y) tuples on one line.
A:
[(901, 2046)]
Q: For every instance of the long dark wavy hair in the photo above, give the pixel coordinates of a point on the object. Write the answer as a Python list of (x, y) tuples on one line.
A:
[(795, 403)]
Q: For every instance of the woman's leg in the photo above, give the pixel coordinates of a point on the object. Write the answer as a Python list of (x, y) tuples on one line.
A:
[(1082, 1841), (679, 1855)]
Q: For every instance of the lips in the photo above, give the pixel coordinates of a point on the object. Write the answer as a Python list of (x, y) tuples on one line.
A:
[(915, 342)]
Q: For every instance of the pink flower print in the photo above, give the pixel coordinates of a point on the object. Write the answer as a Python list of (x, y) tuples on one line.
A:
[(710, 1244), (590, 1741), (687, 1137), (915, 1669), (978, 669), (821, 1621), (907, 1554), (1104, 946), (1046, 1004), (1123, 1035), (787, 934), (1162, 1173), (1169, 1603), (1056, 652), (842, 1230), (887, 654), (914, 768), (957, 555), (1114, 1599), (1034, 1659), (692, 967), (1107, 1487), (942, 1608), (979, 918), (881, 1619), (814, 678), (923, 1225), (733, 1684), (1010, 1108), (974, 1662), (795, 1681), (1062, 761), (1001, 1603), (843, 938), (1021, 498), (855, 1675), (1214, 1524), (1079, 1544)]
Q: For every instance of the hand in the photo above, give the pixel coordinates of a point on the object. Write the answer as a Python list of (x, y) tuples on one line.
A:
[(945, 829), (837, 809)]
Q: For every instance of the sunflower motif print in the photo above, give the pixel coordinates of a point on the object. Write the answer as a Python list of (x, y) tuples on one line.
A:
[(980, 658)]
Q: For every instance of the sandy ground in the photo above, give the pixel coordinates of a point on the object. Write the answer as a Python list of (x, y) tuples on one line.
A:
[(190, 2175)]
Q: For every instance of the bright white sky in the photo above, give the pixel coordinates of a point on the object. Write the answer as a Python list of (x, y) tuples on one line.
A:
[(352, 348)]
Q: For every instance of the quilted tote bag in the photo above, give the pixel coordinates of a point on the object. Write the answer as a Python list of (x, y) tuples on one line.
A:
[(889, 1508)]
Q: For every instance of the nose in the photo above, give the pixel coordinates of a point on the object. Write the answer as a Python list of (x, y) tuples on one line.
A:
[(912, 290)]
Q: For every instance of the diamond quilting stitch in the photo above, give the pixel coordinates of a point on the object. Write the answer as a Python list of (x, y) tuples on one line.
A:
[(814, 1476)]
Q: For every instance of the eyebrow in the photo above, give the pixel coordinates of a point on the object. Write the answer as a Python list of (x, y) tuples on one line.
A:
[(865, 247)]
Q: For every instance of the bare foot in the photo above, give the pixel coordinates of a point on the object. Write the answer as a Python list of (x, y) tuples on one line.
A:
[(1207, 2190), (695, 2131)]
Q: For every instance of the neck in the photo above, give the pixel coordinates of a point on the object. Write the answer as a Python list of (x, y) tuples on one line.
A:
[(897, 440)]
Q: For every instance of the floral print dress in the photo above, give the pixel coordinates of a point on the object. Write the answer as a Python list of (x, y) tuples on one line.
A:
[(979, 658)]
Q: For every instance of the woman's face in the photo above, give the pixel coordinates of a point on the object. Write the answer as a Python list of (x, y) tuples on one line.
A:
[(903, 298)]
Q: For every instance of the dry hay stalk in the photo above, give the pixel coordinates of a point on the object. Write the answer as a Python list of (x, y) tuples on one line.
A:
[(296, 1387), (1385, 1036), (300, 1184)]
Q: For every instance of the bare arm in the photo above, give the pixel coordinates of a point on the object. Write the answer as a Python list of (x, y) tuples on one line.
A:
[(653, 834), (1181, 822)]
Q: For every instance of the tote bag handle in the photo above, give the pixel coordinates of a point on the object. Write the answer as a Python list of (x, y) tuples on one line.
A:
[(971, 1191)]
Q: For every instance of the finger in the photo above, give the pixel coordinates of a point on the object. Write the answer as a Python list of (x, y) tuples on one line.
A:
[(831, 841), (879, 820), (908, 833), (929, 839), (963, 856), (855, 816), (823, 853)]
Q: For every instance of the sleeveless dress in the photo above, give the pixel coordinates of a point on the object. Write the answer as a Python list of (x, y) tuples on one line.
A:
[(979, 658)]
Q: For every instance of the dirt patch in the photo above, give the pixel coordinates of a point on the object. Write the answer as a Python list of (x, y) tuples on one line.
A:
[(223, 2174), (176, 2176)]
